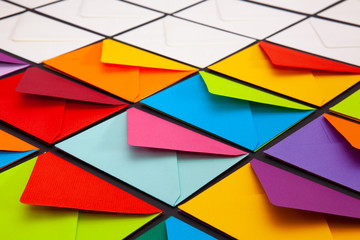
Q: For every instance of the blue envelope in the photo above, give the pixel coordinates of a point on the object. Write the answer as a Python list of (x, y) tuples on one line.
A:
[(235, 112), (168, 175), (174, 229)]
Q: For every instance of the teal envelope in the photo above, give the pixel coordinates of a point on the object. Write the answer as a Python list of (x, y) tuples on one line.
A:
[(174, 229), (233, 111), (169, 175)]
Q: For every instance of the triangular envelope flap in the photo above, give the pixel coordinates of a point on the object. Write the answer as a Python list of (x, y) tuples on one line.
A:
[(7, 59), (223, 87), (9, 142), (178, 230), (58, 183), (336, 35), (234, 10), (39, 82), (181, 33), (349, 130), (118, 53), (285, 189), (32, 27), (286, 57), (110, 9), (146, 130)]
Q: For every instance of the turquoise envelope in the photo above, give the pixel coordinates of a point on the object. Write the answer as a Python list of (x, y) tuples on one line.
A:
[(174, 229), (171, 176), (233, 111)]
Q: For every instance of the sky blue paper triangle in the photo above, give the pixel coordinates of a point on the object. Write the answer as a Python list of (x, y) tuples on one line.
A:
[(178, 230), (7, 158)]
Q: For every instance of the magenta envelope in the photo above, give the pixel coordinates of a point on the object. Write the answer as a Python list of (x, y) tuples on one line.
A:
[(10, 64), (320, 149), (285, 189)]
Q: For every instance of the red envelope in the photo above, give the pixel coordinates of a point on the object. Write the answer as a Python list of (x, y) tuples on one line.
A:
[(50, 107), (57, 183)]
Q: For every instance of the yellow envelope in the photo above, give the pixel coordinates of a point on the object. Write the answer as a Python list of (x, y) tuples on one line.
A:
[(292, 73), (238, 206)]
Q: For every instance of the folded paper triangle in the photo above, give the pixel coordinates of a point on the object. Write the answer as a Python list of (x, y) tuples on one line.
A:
[(58, 183), (7, 59), (349, 107), (286, 57), (285, 189), (166, 135), (9, 142), (349, 130), (39, 82)]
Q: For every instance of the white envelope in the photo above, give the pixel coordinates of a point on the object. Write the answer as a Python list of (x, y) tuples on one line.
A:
[(304, 6), (38, 38), (347, 11), (240, 17), (324, 38), (185, 41), (7, 9), (32, 3), (166, 6), (108, 17)]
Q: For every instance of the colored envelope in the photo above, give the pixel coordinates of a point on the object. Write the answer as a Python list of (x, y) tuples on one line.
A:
[(305, 6), (32, 3), (328, 147), (325, 38), (292, 73), (238, 206), (122, 70), (108, 17), (346, 11), (10, 64), (156, 169), (7, 9), (235, 112), (50, 107), (349, 107), (166, 6), (13, 149), (55, 182), (185, 41), (38, 38), (240, 17), (174, 229), (285, 189)]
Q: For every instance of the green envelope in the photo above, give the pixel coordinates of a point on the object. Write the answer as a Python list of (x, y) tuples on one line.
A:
[(349, 107), (22, 221)]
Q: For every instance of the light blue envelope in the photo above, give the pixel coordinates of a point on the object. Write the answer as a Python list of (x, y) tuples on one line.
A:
[(168, 175), (174, 229), (233, 111), (7, 158)]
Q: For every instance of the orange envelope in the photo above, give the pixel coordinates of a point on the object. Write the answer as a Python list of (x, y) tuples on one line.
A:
[(299, 75), (13, 149), (122, 70)]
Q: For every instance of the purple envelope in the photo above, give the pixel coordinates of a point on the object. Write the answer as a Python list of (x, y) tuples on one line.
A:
[(9, 64), (320, 149), (285, 189)]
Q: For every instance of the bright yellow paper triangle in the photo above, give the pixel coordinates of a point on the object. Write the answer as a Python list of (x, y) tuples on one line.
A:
[(349, 107)]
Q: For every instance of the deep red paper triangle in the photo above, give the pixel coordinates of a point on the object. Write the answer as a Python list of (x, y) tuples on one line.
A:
[(57, 183), (285, 57), (39, 82)]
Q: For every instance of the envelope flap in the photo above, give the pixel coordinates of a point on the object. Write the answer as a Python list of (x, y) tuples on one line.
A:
[(345, 36), (223, 87), (7, 59), (32, 27), (285, 189), (178, 230), (109, 9), (58, 183), (9, 142), (349, 106), (146, 130), (349, 130), (118, 53), (286, 57), (39, 82), (181, 33)]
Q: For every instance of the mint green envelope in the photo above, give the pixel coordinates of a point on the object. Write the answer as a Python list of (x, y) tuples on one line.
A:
[(168, 175)]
